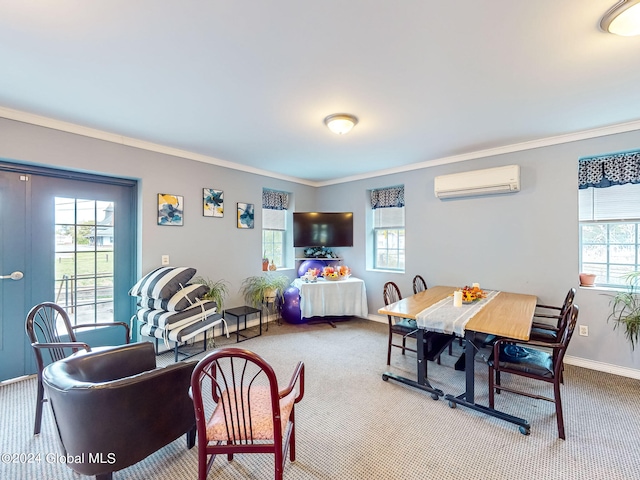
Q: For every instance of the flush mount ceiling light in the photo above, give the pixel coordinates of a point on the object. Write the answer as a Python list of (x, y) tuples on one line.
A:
[(341, 123), (622, 19)]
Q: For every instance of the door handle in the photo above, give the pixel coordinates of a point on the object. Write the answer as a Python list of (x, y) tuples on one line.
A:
[(13, 276)]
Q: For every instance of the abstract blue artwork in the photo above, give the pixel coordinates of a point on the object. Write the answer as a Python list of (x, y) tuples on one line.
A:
[(170, 209), (212, 202), (245, 215)]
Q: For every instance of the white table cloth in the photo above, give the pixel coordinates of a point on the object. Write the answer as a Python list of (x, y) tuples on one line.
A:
[(327, 298)]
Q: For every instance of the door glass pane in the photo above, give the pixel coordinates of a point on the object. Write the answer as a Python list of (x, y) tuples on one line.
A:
[(85, 259)]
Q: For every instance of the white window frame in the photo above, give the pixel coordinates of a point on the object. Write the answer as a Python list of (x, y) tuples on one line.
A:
[(612, 254), (387, 230)]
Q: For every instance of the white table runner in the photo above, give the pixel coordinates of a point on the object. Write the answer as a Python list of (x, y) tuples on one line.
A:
[(443, 317)]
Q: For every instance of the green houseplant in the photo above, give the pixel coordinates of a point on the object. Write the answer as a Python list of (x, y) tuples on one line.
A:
[(625, 311), (266, 287), (218, 290)]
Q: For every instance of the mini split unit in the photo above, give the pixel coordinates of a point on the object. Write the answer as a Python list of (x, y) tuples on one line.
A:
[(490, 181)]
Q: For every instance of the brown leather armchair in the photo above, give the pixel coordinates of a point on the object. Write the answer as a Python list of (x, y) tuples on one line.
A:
[(114, 408)]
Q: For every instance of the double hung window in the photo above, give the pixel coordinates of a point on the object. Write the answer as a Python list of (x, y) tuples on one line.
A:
[(387, 207), (274, 226), (609, 216)]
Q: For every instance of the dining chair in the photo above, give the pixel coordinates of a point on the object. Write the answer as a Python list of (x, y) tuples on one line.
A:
[(550, 329), (240, 408), (53, 338), (510, 356), (404, 327), (419, 284)]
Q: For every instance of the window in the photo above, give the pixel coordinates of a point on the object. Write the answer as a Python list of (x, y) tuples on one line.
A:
[(388, 228), (609, 217), (274, 226)]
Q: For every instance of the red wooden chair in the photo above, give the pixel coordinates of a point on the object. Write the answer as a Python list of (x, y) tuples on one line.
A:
[(240, 408)]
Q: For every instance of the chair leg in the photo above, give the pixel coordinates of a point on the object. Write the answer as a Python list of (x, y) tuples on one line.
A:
[(558, 401), (292, 439), (39, 404), (191, 438), (389, 350), (404, 344), (491, 387)]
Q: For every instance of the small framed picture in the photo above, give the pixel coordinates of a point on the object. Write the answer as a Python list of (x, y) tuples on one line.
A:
[(212, 202), (170, 209), (245, 215)]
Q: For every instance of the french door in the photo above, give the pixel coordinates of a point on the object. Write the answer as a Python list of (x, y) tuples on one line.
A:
[(71, 237)]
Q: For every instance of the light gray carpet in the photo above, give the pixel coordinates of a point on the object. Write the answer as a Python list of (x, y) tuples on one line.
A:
[(352, 425)]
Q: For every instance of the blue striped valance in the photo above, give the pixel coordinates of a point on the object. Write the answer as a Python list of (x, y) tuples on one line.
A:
[(607, 170), (387, 197), (275, 200)]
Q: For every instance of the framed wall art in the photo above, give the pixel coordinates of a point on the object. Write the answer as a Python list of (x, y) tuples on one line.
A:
[(212, 202), (245, 215), (170, 209)]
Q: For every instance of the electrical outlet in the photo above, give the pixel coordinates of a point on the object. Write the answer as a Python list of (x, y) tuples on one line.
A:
[(165, 260), (584, 330)]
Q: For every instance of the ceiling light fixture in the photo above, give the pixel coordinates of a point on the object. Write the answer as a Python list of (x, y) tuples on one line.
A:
[(341, 123), (622, 19)]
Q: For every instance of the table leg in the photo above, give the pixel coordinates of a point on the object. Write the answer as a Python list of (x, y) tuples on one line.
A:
[(467, 399), (423, 381)]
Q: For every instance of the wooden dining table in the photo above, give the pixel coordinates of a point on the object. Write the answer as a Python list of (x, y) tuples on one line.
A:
[(507, 315)]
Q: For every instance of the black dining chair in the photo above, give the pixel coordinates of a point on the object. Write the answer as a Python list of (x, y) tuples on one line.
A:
[(53, 338), (510, 356), (548, 319), (403, 327)]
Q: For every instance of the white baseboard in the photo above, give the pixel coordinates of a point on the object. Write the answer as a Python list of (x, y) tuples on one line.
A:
[(576, 361)]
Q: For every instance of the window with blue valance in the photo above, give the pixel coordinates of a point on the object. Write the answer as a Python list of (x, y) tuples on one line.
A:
[(387, 197), (275, 200), (607, 170)]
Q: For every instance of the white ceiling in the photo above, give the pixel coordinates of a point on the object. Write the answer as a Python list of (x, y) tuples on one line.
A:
[(249, 82)]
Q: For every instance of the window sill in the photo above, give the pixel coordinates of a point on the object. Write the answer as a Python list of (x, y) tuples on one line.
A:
[(382, 270)]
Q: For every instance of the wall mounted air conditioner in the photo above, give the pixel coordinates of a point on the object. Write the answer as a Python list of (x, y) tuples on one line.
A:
[(489, 181)]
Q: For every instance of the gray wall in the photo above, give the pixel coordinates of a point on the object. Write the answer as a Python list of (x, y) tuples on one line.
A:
[(525, 242)]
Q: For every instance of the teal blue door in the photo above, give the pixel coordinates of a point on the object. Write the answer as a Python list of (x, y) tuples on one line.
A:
[(72, 237)]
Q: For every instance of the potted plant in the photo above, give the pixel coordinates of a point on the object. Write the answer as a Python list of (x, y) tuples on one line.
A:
[(267, 287), (625, 311), (218, 290)]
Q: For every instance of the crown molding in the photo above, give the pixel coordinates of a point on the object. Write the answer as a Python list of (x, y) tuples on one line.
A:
[(67, 127)]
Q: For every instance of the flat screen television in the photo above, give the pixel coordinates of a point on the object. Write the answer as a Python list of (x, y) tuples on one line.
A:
[(319, 229)]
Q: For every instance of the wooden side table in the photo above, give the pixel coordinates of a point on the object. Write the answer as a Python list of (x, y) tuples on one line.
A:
[(242, 312)]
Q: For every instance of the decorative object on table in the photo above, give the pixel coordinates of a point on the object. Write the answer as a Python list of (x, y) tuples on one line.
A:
[(265, 263), (587, 279), (625, 311), (170, 209), (272, 266), (266, 288), (245, 215), (212, 202), (341, 272), (319, 252), (472, 294), (306, 265), (457, 298)]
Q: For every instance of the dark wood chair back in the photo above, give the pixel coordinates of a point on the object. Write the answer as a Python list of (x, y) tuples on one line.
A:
[(419, 284), (391, 293), (53, 338)]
